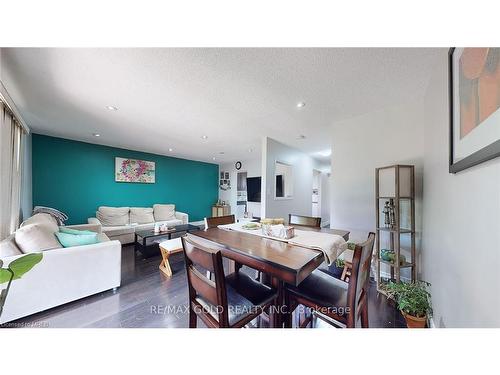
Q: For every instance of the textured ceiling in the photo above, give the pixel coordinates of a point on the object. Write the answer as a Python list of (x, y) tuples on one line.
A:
[(169, 98)]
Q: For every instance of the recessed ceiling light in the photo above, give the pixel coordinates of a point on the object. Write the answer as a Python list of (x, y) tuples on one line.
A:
[(96, 134), (213, 158), (170, 149), (204, 136), (301, 104), (111, 108), (301, 136)]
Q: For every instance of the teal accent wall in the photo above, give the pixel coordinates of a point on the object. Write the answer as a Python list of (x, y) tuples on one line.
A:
[(77, 177)]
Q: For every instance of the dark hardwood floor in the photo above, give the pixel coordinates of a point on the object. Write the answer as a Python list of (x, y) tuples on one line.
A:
[(148, 299)]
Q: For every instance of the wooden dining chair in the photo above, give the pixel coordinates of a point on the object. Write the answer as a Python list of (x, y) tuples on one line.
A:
[(215, 221), (227, 302), (304, 221), (342, 302)]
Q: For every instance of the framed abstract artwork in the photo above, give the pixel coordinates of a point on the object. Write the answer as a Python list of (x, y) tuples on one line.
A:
[(474, 89), (132, 170)]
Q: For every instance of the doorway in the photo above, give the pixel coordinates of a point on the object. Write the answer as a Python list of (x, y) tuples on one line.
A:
[(316, 193), (241, 194)]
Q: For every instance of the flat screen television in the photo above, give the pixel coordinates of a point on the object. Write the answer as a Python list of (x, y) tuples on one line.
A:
[(253, 189)]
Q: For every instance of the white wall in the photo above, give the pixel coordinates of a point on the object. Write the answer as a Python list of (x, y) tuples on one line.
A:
[(361, 144), (303, 166), (461, 233), (253, 167), (458, 216)]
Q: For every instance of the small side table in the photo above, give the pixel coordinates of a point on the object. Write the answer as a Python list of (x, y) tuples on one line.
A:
[(221, 210), (167, 248)]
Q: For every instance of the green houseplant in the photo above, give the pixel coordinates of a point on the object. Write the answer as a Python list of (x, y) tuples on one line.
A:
[(414, 301), (15, 270)]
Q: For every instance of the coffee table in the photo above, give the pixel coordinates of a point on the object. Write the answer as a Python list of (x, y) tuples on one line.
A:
[(147, 241)]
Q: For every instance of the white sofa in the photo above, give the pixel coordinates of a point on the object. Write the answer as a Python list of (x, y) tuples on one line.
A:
[(63, 275), (121, 223)]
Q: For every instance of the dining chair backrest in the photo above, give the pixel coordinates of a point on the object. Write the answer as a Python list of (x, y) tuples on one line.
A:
[(357, 292), (305, 221), (199, 285), (213, 222)]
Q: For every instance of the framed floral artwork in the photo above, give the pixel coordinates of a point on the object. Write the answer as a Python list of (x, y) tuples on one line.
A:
[(132, 170), (474, 88)]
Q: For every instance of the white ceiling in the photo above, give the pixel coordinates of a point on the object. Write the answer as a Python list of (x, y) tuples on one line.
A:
[(169, 98)]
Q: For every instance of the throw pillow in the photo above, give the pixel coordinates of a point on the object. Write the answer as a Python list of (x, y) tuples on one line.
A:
[(74, 231), (71, 240), (33, 238), (44, 219), (113, 216), (164, 212), (141, 215)]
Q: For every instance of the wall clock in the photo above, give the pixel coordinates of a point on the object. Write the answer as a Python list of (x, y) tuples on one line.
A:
[(238, 165)]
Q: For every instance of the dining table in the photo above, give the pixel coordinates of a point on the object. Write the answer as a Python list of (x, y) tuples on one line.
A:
[(282, 262)]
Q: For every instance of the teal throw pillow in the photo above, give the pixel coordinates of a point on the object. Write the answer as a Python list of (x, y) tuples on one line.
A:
[(70, 240), (74, 231)]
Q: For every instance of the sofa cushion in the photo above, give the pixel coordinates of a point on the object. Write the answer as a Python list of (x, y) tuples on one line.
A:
[(148, 226), (141, 215), (44, 219), (8, 247), (33, 238), (71, 240), (164, 212), (113, 216), (117, 230)]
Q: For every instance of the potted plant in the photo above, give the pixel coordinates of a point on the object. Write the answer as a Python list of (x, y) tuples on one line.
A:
[(414, 301), (15, 270)]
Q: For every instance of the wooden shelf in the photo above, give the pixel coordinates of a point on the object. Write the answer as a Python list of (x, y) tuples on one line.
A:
[(399, 187), (402, 265), (401, 230)]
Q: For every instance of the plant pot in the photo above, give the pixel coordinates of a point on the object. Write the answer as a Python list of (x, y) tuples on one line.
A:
[(413, 321)]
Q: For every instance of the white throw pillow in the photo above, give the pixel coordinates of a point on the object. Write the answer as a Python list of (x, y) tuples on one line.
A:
[(113, 216), (164, 212), (141, 215), (44, 219), (33, 238), (8, 247)]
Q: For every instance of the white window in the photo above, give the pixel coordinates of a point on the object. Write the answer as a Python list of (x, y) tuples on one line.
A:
[(11, 134)]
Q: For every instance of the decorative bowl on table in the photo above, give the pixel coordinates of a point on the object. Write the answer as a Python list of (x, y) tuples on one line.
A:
[(251, 226)]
